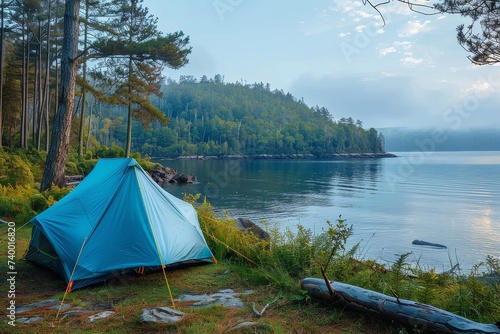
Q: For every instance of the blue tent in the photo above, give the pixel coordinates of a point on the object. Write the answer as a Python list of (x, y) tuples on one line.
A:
[(116, 219)]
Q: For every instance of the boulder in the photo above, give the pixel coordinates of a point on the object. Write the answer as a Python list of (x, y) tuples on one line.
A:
[(162, 175), (182, 178), (247, 226)]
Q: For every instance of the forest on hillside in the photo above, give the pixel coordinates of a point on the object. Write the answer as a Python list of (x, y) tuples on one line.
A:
[(211, 118), (121, 100)]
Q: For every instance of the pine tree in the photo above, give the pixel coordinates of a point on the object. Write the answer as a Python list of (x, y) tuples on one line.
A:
[(134, 56)]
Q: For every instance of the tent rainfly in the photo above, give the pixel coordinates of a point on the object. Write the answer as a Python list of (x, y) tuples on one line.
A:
[(116, 219)]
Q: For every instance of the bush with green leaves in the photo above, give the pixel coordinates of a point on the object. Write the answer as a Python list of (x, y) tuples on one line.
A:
[(14, 171)]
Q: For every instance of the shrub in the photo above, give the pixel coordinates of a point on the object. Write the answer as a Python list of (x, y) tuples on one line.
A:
[(38, 203), (54, 194), (15, 203), (14, 171), (86, 166), (71, 168)]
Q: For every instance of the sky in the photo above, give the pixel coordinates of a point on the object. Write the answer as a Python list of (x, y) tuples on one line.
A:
[(410, 72)]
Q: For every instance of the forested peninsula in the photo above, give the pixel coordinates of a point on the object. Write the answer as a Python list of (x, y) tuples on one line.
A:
[(208, 117)]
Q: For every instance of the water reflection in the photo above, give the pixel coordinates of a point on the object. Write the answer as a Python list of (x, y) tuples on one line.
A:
[(276, 185), (444, 200)]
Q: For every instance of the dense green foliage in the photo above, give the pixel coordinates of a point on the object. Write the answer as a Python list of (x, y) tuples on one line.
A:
[(287, 257), (215, 118)]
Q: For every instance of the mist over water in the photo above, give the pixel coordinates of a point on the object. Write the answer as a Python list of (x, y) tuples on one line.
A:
[(450, 198)]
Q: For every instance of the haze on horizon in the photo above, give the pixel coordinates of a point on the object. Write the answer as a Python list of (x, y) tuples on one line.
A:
[(337, 54)]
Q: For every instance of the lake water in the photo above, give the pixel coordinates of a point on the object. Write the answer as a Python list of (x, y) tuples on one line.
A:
[(450, 198)]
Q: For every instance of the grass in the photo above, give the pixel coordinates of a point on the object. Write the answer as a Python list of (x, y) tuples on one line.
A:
[(271, 269), (128, 295)]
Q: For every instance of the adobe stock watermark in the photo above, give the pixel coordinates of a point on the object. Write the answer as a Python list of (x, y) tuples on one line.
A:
[(221, 179), (361, 40), (222, 7), (11, 273), (453, 119)]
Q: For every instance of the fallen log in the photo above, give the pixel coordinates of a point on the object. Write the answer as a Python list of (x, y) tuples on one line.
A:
[(425, 317)]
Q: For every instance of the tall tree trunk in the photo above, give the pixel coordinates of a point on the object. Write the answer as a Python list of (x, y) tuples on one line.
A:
[(56, 92), (47, 81), (129, 121), (61, 131), (84, 91), (89, 131), (2, 36), (39, 99), (24, 104)]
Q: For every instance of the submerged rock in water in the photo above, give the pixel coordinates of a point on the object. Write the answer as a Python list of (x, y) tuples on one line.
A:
[(425, 243)]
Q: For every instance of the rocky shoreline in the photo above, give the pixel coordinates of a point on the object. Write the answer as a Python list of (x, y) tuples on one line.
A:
[(162, 175), (289, 156)]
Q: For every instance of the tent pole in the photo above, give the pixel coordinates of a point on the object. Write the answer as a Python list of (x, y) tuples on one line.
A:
[(70, 283)]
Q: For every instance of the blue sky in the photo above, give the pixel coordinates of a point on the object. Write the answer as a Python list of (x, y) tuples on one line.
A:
[(337, 54)]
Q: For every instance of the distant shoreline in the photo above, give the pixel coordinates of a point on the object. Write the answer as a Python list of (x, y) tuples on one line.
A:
[(283, 156)]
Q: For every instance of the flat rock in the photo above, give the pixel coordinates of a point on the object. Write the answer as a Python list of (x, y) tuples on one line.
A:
[(30, 320), (245, 324), (225, 297), (76, 312), (100, 316), (34, 306), (160, 314), (62, 307), (248, 325)]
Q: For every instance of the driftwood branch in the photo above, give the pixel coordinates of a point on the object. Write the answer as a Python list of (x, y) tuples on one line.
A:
[(409, 313)]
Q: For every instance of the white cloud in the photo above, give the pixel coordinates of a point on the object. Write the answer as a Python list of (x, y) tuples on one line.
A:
[(344, 6), (405, 45), (360, 28), (385, 51), (414, 27), (479, 87), (411, 61), (364, 15)]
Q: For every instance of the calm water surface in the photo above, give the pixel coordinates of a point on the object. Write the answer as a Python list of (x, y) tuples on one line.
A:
[(450, 198)]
